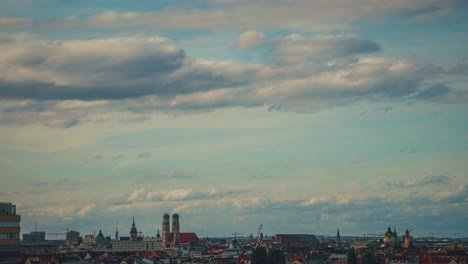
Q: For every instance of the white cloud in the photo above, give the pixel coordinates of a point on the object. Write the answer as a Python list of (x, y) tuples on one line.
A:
[(85, 210), (456, 195), (299, 49), (250, 39), (137, 194)]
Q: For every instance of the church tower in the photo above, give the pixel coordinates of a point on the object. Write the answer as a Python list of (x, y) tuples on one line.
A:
[(338, 238), (165, 231), (176, 229), (133, 231)]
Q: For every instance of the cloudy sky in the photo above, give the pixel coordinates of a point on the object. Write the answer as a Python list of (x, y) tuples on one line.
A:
[(300, 115)]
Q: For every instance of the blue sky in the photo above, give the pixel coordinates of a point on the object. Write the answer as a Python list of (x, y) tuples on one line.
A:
[(304, 116)]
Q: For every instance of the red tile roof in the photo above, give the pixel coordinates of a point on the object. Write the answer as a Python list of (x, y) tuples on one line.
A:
[(186, 238)]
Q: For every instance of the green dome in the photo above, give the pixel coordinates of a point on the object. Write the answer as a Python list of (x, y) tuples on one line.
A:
[(166, 215), (175, 215), (100, 239)]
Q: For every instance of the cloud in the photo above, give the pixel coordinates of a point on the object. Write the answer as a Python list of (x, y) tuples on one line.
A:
[(433, 92), (250, 39), (58, 83), (297, 15), (112, 68), (425, 180), (179, 175), (85, 210), (137, 194), (353, 210), (458, 195), (138, 119), (60, 123), (182, 194), (296, 48), (144, 155), (69, 211), (442, 93)]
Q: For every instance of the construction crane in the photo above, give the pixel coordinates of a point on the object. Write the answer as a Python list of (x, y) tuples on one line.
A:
[(56, 233), (259, 231)]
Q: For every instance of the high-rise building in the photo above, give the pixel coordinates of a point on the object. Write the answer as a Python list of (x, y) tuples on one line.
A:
[(165, 230), (176, 229), (73, 237), (9, 234)]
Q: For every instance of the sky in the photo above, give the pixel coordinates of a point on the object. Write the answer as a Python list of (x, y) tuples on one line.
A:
[(303, 116)]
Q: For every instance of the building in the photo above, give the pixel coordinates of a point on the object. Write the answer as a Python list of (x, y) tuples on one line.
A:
[(297, 240), (34, 236), (391, 239), (175, 230), (39, 248), (9, 234), (133, 231), (175, 238), (166, 230), (135, 243), (143, 244), (73, 237), (100, 239), (338, 239), (408, 240)]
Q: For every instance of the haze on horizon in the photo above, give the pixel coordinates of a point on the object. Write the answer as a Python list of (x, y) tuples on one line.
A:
[(304, 116)]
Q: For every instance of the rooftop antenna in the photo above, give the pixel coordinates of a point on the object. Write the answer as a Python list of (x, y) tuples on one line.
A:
[(36, 226)]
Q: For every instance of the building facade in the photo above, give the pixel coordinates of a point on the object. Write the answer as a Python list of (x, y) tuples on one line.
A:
[(145, 244), (9, 234)]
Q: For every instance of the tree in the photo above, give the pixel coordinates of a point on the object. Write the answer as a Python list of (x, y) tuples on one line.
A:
[(352, 256), (276, 256), (273, 256), (369, 258), (259, 256)]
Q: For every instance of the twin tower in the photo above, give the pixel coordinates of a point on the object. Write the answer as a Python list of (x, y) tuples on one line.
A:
[(168, 238)]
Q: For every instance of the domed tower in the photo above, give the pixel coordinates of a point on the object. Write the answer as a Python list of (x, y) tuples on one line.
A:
[(133, 231), (388, 236), (165, 230), (176, 229), (395, 241), (408, 240)]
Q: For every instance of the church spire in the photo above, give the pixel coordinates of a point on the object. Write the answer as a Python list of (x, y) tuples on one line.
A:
[(117, 230), (133, 231), (338, 238)]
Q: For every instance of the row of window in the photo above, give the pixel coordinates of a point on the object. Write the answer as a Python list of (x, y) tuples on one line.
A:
[(9, 236), (9, 248), (9, 260), (9, 224)]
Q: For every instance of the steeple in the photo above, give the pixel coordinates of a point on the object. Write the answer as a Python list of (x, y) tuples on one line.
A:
[(338, 238), (133, 231), (117, 230)]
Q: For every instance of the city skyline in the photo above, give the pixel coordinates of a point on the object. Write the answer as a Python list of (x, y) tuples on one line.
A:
[(304, 116)]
